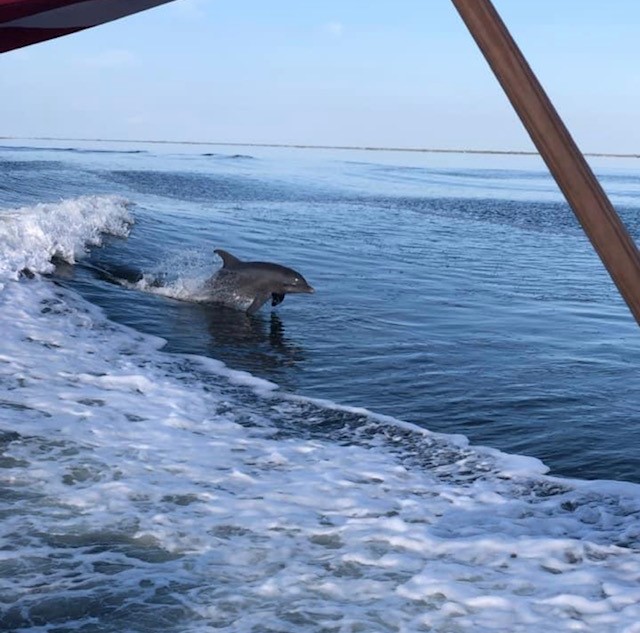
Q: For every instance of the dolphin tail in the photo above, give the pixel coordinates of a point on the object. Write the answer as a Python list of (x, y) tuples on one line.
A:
[(228, 260)]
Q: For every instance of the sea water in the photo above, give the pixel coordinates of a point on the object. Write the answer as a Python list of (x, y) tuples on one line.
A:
[(443, 438)]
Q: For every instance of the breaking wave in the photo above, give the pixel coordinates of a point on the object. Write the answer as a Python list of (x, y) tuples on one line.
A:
[(32, 237)]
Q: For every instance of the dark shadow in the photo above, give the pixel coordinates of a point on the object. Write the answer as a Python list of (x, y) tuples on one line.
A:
[(258, 342)]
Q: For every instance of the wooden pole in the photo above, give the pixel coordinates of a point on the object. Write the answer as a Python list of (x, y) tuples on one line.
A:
[(568, 166)]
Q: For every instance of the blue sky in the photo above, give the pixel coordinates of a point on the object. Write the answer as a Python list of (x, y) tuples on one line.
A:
[(350, 72)]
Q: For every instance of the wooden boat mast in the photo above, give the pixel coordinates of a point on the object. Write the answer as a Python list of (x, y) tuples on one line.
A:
[(564, 159)]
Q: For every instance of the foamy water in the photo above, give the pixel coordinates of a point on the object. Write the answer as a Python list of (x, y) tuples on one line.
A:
[(30, 237), (146, 491)]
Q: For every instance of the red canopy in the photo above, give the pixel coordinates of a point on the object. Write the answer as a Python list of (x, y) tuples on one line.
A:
[(24, 22)]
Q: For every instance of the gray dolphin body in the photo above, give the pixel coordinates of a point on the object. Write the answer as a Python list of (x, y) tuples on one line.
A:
[(252, 284)]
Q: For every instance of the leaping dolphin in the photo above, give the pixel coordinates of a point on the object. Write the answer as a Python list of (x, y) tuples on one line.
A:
[(249, 285)]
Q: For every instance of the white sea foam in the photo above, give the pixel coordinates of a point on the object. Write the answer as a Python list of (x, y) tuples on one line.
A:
[(145, 475), (143, 491), (31, 236)]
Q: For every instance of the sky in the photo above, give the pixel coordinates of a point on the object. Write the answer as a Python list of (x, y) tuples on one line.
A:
[(401, 73)]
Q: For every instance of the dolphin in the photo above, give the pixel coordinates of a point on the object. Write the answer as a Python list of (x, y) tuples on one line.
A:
[(252, 284)]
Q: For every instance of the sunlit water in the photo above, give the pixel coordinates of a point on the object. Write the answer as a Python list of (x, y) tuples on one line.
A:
[(148, 487)]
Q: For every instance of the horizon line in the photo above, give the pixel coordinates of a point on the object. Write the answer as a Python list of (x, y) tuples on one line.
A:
[(367, 148)]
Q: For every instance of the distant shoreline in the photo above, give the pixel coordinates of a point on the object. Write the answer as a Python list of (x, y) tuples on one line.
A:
[(367, 148)]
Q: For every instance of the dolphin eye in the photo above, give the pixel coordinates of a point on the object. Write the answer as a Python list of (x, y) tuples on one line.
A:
[(296, 280)]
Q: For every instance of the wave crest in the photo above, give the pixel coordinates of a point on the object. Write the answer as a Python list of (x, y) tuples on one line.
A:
[(30, 237)]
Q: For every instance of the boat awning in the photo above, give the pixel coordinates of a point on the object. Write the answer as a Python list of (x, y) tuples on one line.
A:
[(24, 22)]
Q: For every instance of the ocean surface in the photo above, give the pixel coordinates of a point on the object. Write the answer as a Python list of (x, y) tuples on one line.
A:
[(444, 437)]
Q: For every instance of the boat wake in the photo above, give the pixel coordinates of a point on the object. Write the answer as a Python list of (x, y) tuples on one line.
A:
[(148, 491), (31, 238)]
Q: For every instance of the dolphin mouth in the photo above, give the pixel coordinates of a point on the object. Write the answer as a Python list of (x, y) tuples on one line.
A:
[(311, 290)]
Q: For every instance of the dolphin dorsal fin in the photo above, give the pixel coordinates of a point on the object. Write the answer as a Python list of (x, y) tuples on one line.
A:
[(228, 260)]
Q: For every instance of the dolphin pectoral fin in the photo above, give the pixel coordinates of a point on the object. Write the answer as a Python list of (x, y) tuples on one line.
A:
[(276, 298), (258, 302), (228, 260)]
